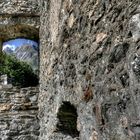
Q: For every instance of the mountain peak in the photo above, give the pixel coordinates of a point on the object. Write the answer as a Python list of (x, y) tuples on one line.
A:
[(26, 53)]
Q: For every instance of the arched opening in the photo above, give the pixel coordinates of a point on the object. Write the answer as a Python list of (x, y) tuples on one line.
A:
[(19, 54), (67, 120), (21, 62)]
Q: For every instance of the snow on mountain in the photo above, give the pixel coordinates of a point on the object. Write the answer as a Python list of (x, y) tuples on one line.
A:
[(8, 50), (8, 47)]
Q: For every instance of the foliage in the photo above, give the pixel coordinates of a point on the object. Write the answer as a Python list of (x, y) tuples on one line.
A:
[(20, 73)]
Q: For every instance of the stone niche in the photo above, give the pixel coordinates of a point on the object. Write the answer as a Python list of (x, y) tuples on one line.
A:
[(67, 119)]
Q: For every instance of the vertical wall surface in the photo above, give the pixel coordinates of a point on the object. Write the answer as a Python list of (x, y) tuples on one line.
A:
[(19, 107), (19, 19), (90, 57), (18, 113)]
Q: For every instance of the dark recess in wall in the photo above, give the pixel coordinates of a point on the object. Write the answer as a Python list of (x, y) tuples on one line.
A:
[(67, 123)]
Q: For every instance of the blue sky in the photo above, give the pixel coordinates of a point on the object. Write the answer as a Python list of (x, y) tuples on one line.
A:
[(13, 44)]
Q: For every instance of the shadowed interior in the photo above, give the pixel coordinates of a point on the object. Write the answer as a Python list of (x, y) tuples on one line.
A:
[(67, 116)]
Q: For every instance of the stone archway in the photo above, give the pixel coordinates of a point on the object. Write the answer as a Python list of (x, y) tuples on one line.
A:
[(18, 31)]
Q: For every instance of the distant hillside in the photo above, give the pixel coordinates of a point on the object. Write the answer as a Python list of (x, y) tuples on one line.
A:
[(25, 53)]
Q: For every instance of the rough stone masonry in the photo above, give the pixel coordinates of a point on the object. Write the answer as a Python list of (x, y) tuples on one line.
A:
[(18, 113), (89, 60)]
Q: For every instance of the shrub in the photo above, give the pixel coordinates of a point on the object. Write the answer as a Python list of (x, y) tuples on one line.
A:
[(20, 73)]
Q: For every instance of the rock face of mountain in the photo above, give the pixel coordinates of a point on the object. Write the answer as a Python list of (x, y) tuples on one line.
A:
[(26, 53)]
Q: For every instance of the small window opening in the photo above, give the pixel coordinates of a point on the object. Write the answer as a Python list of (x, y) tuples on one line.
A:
[(20, 62), (67, 123)]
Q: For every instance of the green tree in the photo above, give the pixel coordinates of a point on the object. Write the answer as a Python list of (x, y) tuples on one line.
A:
[(20, 73)]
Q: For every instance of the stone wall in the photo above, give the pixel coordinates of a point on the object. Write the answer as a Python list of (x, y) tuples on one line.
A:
[(18, 113), (90, 57), (19, 107), (19, 18), (19, 7)]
